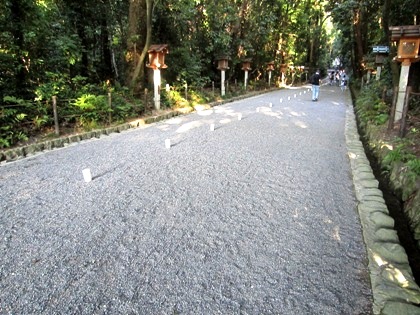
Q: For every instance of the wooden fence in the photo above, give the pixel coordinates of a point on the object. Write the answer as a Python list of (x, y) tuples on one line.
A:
[(409, 95)]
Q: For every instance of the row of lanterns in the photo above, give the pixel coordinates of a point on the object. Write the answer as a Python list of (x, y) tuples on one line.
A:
[(157, 62), (223, 65), (408, 38)]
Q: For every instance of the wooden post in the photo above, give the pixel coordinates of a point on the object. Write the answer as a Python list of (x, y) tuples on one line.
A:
[(156, 83), (222, 84), (384, 93), (57, 128), (212, 87), (405, 69), (145, 99), (392, 113), (186, 91), (110, 107), (404, 111)]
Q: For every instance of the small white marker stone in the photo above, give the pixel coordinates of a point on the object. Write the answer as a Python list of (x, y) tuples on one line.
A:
[(239, 116), (211, 127), (87, 175), (288, 98), (258, 109), (270, 105), (294, 95), (281, 100), (168, 143)]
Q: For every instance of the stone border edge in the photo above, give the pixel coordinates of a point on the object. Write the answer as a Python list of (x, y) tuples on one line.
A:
[(393, 286)]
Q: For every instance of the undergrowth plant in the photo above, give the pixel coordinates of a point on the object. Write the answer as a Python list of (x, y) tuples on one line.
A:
[(370, 106)]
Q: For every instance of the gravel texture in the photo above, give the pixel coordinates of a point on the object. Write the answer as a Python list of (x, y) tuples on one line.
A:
[(256, 217)]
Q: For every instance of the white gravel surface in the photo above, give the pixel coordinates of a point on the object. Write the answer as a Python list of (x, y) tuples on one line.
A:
[(256, 217)]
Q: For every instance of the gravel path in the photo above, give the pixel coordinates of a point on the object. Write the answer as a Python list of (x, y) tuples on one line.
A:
[(256, 217)]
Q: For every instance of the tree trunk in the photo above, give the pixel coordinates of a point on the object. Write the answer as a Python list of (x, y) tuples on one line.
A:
[(357, 23), (106, 56), (17, 15), (138, 41)]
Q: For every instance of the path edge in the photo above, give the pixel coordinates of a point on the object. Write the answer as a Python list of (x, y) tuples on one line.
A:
[(394, 289)]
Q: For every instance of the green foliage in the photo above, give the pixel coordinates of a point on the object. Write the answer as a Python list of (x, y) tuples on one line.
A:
[(124, 107), (174, 99), (11, 121), (92, 110), (55, 84), (414, 166), (399, 154), (371, 108), (380, 119), (392, 157)]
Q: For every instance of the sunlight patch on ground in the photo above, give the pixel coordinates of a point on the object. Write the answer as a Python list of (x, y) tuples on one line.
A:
[(175, 121), (163, 127), (188, 126), (225, 121), (294, 113), (224, 110), (265, 109), (388, 146), (395, 274), (207, 112), (301, 124), (272, 114), (353, 156)]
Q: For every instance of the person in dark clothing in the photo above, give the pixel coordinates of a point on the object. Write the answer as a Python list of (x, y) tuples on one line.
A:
[(315, 81)]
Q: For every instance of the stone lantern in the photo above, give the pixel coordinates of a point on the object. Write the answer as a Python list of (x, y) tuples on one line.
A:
[(270, 67), (380, 54), (408, 38), (223, 65), (246, 66), (156, 62)]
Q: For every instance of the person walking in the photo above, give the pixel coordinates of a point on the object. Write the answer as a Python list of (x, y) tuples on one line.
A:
[(315, 81), (344, 80), (331, 78)]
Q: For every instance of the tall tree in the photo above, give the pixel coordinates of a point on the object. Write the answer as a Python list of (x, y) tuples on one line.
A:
[(138, 40)]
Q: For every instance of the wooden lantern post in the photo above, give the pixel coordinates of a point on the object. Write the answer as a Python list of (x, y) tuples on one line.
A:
[(246, 66), (408, 38), (369, 70), (381, 52), (223, 65), (270, 67), (156, 62)]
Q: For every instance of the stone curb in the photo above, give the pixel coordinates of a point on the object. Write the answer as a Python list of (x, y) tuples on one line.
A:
[(26, 151), (393, 286)]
